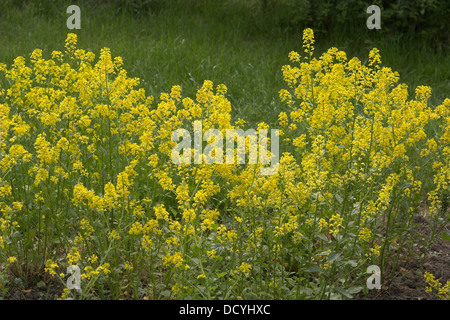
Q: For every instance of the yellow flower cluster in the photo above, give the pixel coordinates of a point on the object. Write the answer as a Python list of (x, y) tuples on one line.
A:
[(90, 272), (86, 172), (50, 267), (433, 285)]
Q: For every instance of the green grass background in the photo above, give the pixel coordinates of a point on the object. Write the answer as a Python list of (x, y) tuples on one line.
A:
[(231, 42)]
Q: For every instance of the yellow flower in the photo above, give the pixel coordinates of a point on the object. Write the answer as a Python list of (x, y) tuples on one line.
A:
[(136, 228), (113, 235), (365, 234), (375, 250), (147, 243), (105, 268), (175, 259), (12, 259), (50, 267), (189, 215), (161, 213), (17, 205), (335, 223), (374, 57), (294, 56), (71, 42), (323, 224), (93, 259), (110, 196), (308, 41), (211, 254), (433, 285), (245, 268), (153, 160), (128, 266), (73, 257), (65, 294)]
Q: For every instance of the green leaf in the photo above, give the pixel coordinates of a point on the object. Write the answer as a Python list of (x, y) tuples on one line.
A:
[(354, 290), (322, 237), (166, 293), (343, 292), (352, 263), (338, 198), (446, 236), (251, 296), (333, 256), (315, 268)]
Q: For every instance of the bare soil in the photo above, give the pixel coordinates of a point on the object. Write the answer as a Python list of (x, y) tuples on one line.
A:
[(408, 282)]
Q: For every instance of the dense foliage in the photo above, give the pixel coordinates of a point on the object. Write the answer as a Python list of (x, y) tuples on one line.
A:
[(87, 180)]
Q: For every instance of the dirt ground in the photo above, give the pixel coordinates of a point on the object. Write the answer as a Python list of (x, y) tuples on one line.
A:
[(408, 282)]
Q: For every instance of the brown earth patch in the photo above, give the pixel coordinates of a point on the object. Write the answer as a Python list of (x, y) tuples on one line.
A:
[(408, 282)]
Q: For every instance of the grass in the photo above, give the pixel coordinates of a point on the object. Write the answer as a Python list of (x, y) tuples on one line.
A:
[(226, 42)]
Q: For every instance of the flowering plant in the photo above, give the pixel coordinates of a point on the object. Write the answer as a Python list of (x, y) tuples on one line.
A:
[(87, 180)]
